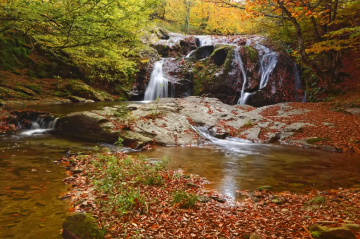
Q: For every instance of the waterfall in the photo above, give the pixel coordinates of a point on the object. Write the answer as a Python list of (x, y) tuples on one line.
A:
[(204, 40), (158, 85), (240, 64), (267, 64), (298, 85), (40, 126)]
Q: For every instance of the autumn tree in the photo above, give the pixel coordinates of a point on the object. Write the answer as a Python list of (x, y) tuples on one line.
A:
[(100, 36)]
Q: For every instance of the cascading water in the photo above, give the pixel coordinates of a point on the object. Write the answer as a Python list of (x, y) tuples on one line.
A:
[(230, 144), (267, 64), (204, 40), (262, 82), (298, 86), (158, 85), (240, 64), (40, 126)]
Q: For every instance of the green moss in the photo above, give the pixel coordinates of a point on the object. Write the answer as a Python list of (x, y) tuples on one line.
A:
[(9, 93), (228, 61), (316, 234), (35, 88), (252, 53), (83, 226), (204, 72), (316, 200), (315, 140)]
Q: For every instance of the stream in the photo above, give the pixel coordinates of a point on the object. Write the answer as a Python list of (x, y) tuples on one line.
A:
[(31, 180)]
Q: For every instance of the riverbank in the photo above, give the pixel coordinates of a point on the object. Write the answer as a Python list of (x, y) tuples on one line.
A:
[(132, 197)]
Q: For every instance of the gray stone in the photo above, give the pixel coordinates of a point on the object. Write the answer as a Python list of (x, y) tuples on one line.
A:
[(354, 111)]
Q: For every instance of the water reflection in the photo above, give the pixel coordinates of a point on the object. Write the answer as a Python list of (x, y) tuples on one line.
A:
[(282, 167), (30, 184)]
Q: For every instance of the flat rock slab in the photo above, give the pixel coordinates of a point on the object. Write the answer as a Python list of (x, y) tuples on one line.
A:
[(171, 121)]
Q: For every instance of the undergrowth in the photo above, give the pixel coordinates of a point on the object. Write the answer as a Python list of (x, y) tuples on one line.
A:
[(120, 177)]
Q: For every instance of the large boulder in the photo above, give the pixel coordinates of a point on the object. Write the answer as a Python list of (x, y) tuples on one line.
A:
[(221, 74), (323, 232), (283, 85)]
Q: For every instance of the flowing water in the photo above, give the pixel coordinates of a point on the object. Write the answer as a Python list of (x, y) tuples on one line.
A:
[(31, 180), (240, 64), (158, 85)]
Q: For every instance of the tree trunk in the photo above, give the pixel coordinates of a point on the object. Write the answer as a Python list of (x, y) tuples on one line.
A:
[(323, 75)]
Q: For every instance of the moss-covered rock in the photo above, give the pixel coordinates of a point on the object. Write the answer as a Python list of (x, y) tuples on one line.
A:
[(322, 232), (218, 75), (81, 226), (25, 90), (9, 93)]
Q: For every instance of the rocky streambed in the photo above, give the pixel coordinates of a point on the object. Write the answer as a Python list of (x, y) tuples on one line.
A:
[(172, 121)]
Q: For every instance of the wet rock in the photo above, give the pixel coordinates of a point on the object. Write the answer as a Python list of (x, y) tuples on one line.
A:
[(204, 52), (179, 78), (76, 171), (25, 90), (85, 125), (282, 86), (219, 56), (76, 99)]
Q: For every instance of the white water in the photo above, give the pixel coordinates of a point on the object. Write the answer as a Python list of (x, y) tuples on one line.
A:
[(204, 40), (298, 84), (230, 144), (158, 85), (267, 64), (40, 126), (240, 64), (190, 53)]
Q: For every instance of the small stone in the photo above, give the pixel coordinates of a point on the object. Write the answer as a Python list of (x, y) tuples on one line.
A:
[(255, 236), (266, 187), (40, 203), (284, 210), (75, 171), (275, 201), (33, 170)]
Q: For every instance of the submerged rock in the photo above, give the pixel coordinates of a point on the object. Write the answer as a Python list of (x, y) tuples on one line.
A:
[(81, 226)]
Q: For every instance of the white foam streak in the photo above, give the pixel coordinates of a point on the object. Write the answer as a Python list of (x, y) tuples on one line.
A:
[(158, 85)]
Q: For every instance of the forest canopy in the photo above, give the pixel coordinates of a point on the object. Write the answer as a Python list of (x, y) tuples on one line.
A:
[(100, 36)]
